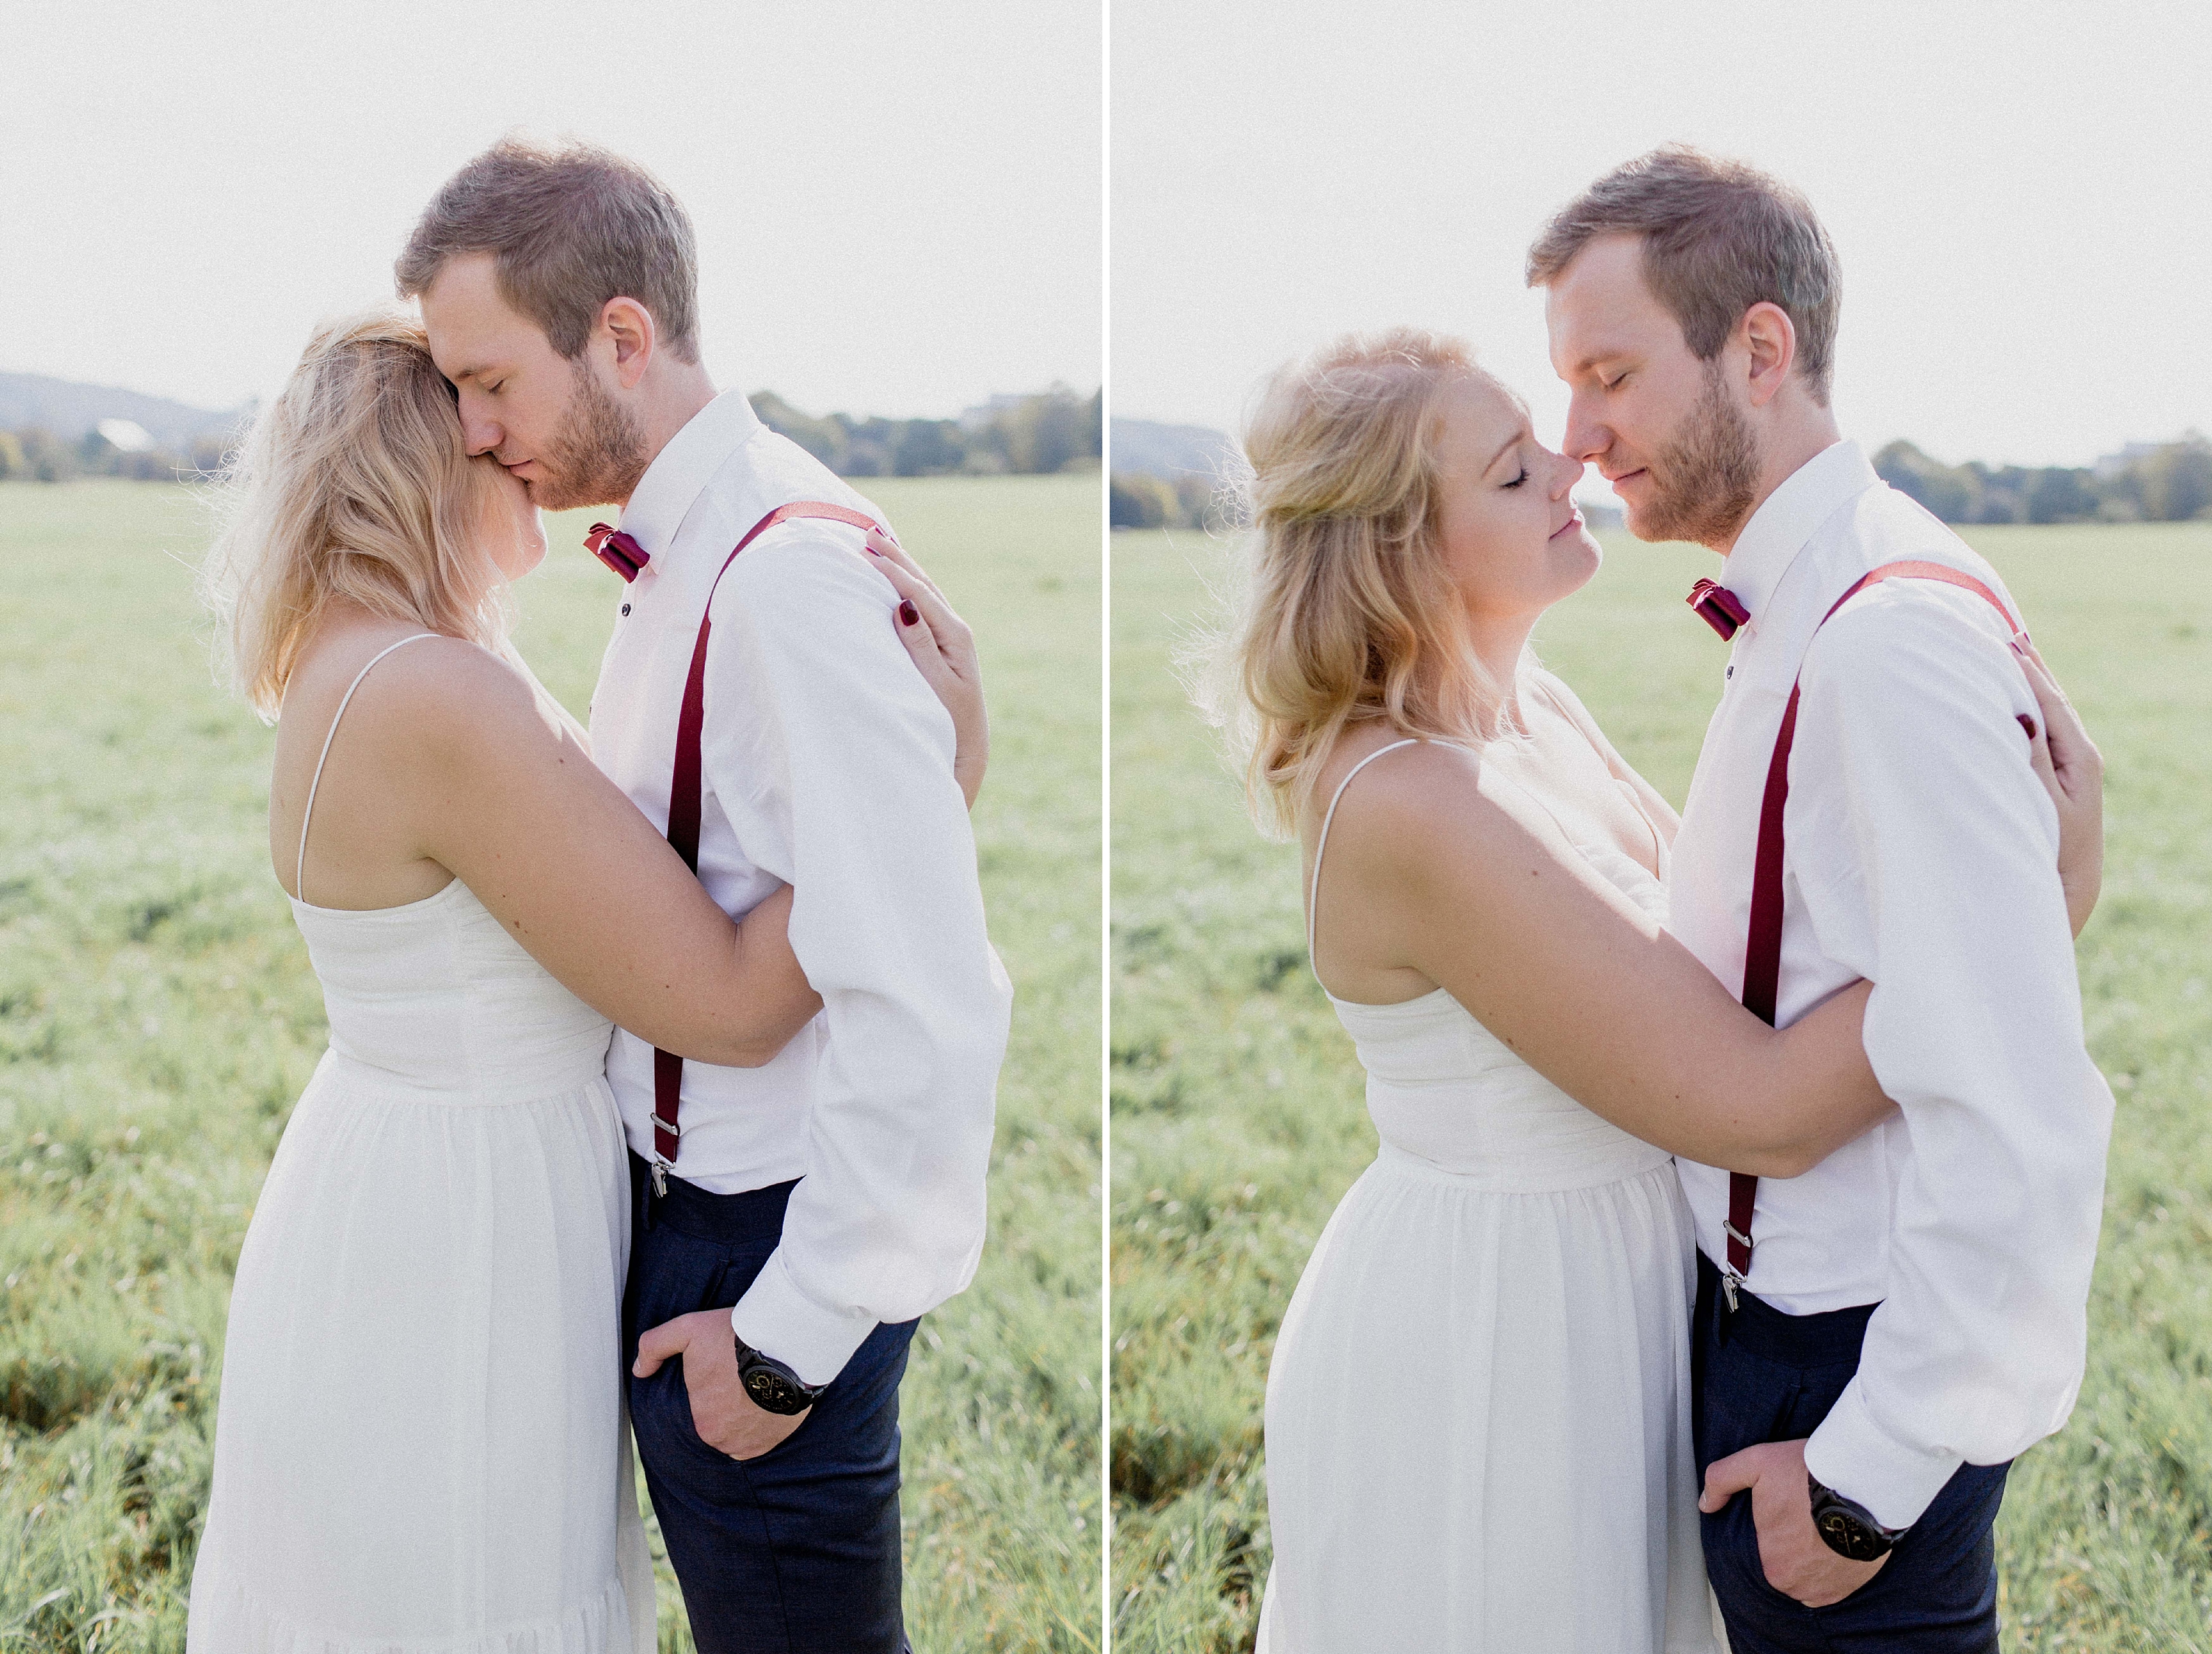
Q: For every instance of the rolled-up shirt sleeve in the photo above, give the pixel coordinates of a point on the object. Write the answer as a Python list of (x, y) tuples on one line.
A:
[(1925, 851), (832, 759)]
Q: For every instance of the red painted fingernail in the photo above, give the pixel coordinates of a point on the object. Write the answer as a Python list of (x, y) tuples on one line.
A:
[(907, 613), (2027, 724)]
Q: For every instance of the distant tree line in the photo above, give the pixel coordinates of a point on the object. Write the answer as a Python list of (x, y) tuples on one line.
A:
[(1136, 499), (1026, 435), (1053, 430), (31, 455), (2170, 482)]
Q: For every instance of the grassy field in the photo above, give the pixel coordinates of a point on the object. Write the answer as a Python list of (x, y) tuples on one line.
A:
[(157, 1018), (1238, 1122)]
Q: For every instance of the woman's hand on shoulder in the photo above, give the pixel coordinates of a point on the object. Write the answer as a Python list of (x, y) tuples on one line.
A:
[(2072, 771), (944, 649)]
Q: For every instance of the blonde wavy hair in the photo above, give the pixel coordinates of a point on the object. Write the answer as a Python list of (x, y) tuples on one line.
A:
[(355, 485), (1348, 612)]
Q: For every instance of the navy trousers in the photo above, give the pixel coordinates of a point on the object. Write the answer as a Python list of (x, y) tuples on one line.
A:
[(1762, 1376), (796, 1552)]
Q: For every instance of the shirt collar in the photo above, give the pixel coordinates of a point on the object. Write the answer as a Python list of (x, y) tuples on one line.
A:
[(664, 495), (1777, 530)]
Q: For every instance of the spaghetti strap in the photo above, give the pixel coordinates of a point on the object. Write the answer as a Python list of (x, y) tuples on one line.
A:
[(300, 870), (1320, 844)]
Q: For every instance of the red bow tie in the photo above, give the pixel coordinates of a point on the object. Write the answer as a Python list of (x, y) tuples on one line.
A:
[(1719, 607), (616, 549)]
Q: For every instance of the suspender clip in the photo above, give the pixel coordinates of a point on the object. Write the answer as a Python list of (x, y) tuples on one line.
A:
[(1728, 1280), (1739, 1238)]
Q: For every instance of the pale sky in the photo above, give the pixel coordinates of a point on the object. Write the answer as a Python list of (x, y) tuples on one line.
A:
[(2021, 195), (897, 205)]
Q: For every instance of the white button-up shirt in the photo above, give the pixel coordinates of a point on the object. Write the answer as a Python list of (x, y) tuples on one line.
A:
[(826, 765), (1922, 855)]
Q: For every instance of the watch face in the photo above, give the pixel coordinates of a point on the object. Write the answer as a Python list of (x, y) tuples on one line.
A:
[(771, 1393), (1848, 1538)]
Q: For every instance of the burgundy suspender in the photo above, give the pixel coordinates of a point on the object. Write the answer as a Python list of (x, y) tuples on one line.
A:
[(684, 804), (1762, 954)]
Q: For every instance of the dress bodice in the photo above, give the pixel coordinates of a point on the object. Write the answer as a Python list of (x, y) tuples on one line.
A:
[(437, 996), (1447, 1091)]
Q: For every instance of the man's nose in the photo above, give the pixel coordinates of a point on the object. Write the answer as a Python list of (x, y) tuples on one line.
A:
[(480, 433), (1585, 438)]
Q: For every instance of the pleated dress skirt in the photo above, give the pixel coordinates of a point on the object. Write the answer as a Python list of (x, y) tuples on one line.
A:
[(420, 1442), (1478, 1412)]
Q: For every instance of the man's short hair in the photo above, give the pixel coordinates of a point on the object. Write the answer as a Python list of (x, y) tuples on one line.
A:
[(1719, 237), (568, 226)]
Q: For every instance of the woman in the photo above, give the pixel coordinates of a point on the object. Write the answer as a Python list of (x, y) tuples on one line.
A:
[(1477, 1411), (420, 1440)]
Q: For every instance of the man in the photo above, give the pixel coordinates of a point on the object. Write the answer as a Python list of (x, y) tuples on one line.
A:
[(811, 1208), (1887, 1332)]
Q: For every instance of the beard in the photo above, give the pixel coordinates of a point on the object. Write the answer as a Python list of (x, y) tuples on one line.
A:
[(1703, 482), (598, 455)]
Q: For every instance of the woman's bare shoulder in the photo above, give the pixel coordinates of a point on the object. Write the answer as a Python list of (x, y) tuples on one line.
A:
[(436, 696), (1426, 803)]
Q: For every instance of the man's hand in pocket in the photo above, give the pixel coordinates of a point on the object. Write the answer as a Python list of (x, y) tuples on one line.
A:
[(1797, 1562), (725, 1418)]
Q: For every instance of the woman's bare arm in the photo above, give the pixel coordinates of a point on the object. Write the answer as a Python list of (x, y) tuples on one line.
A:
[(477, 776), (1453, 875)]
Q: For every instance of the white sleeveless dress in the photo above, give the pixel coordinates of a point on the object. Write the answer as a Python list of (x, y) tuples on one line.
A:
[(420, 1440), (1478, 1417)]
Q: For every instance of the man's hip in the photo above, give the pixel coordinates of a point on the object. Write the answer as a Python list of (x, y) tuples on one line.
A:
[(1761, 1375), (797, 1550)]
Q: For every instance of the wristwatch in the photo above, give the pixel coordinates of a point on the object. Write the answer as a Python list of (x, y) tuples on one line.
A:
[(774, 1387), (1846, 1527)]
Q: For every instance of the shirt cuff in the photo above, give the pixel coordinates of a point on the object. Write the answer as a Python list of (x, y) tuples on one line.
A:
[(1854, 1456), (777, 1319)]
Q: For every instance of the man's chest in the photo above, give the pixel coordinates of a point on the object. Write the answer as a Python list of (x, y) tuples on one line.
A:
[(1709, 885), (636, 705)]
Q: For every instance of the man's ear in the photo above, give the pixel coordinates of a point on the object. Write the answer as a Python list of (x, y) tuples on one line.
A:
[(630, 327), (1771, 339)]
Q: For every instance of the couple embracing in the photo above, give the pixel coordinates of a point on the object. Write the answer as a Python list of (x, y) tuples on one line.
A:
[(663, 1058), (1740, 1173)]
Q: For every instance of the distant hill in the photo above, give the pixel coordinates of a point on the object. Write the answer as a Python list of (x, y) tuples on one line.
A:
[(68, 410), (1145, 447)]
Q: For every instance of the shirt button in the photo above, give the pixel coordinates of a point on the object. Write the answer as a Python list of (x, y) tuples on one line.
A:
[(1730, 672), (625, 611)]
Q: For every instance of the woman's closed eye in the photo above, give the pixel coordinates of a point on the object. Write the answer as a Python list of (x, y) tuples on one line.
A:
[(1517, 481)]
